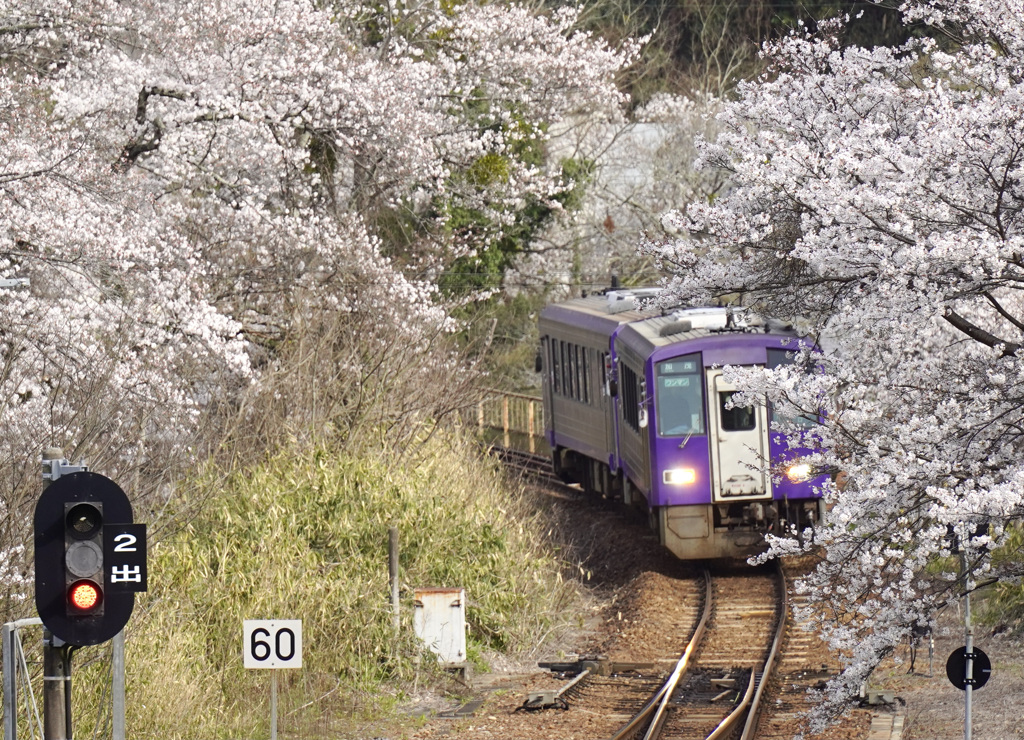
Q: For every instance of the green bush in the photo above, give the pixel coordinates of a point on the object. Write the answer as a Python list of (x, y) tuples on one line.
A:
[(304, 536), (1002, 605)]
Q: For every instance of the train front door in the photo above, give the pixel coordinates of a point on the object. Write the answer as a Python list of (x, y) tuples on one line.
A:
[(739, 444)]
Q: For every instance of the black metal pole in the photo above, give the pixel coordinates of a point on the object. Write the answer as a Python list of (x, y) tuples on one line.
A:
[(54, 726), (54, 720), (68, 649)]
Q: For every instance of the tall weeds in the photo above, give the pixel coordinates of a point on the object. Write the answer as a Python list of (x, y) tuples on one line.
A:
[(303, 535)]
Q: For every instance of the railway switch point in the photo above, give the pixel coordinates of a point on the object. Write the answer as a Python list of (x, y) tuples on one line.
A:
[(547, 699)]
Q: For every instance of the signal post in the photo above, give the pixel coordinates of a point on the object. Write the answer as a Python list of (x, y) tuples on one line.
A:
[(90, 559)]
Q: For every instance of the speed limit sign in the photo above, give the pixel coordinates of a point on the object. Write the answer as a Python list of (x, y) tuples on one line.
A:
[(272, 643)]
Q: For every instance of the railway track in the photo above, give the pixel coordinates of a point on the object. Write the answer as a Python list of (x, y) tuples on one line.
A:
[(800, 671), (610, 691), (535, 466), (530, 463), (803, 668), (714, 688), (732, 667), (713, 692)]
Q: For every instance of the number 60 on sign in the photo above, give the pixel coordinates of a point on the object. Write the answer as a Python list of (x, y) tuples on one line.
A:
[(272, 643)]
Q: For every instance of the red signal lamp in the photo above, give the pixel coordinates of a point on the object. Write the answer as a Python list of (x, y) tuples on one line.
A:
[(84, 596)]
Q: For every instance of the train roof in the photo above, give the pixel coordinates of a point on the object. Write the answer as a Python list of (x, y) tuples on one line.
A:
[(726, 335), (690, 323), (602, 312), (649, 330), (625, 306)]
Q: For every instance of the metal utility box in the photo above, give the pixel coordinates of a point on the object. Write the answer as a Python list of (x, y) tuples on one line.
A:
[(440, 622)]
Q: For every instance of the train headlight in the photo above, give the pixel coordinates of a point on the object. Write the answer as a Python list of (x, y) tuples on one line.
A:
[(679, 476), (798, 472)]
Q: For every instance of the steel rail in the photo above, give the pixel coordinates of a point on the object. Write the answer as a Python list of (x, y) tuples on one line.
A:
[(750, 727), (534, 466), (749, 707), (653, 712), (728, 724), (521, 458)]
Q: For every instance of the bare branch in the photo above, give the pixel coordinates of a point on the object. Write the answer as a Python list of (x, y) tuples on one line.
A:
[(978, 334)]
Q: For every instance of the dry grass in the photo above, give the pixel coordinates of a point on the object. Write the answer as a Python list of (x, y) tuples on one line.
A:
[(304, 536)]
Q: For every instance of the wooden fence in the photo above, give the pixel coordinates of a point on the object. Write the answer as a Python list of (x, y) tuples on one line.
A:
[(517, 417)]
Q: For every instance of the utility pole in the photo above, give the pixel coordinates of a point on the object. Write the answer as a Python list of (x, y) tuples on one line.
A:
[(969, 629), (393, 577)]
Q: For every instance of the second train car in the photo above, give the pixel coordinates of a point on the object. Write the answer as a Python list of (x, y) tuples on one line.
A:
[(637, 406)]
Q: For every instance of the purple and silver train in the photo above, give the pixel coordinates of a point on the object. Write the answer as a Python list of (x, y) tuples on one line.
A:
[(636, 406)]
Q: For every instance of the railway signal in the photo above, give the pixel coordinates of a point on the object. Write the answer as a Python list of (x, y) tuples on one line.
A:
[(90, 558), (83, 557)]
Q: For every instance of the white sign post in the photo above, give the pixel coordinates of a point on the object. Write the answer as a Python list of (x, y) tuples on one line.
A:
[(272, 643)]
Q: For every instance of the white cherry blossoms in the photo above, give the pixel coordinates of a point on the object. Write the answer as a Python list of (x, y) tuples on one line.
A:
[(185, 184), (877, 198)]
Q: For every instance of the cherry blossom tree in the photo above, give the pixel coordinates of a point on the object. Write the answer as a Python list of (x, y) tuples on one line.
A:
[(877, 202), (634, 171), (192, 192)]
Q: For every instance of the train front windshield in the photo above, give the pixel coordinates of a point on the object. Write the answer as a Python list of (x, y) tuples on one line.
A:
[(680, 396)]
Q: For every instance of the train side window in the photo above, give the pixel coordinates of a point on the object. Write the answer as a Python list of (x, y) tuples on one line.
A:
[(566, 384), (556, 366), (679, 396), (581, 355), (778, 357), (630, 397), (569, 372), (575, 354), (564, 368), (592, 364), (573, 383), (610, 384), (585, 374), (737, 418)]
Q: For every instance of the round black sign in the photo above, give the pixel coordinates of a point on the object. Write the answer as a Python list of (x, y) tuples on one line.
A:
[(956, 668)]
